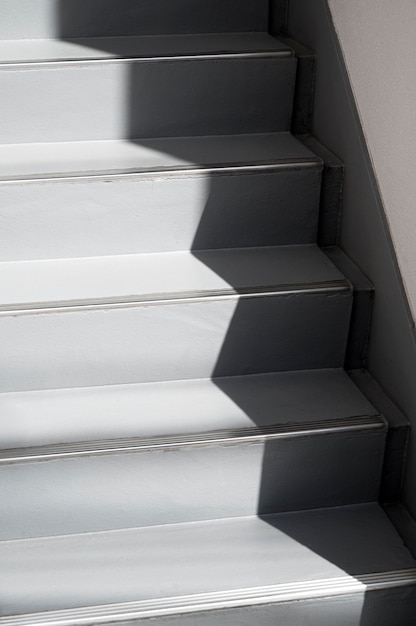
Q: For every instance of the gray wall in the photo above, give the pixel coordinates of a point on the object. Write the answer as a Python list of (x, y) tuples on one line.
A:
[(383, 91), (379, 47)]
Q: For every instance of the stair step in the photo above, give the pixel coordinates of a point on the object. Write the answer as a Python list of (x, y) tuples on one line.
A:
[(171, 335), (190, 407), (190, 155), (104, 99), (184, 569), (161, 195), (160, 453), (106, 485), (28, 51), (33, 19), (164, 276)]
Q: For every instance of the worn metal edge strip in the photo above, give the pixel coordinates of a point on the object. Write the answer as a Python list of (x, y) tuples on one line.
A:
[(273, 594), (38, 308), (220, 437), (97, 60), (186, 170)]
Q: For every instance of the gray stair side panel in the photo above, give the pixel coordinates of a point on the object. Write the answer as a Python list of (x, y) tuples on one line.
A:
[(166, 486), (180, 340), (356, 354), (397, 436), (331, 194), (44, 19), (304, 88), (278, 12), (117, 100), (118, 215), (404, 523)]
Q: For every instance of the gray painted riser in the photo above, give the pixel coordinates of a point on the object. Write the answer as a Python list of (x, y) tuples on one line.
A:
[(204, 482), (174, 341), (62, 219), (31, 19), (145, 99)]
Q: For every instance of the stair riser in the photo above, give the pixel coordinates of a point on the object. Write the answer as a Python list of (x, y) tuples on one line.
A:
[(187, 484), (32, 19), (146, 99), (173, 341), (121, 215)]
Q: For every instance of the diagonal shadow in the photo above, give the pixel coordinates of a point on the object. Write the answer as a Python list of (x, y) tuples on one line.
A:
[(163, 104)]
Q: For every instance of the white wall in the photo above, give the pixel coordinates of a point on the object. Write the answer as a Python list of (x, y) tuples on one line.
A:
[(378, 41)]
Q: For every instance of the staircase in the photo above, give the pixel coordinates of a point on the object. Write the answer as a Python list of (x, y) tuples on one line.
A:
[(181, 443)]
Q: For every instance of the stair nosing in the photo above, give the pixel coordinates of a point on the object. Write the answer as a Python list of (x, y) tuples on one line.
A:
[(185, 170), (254, 596), (219, 437), (73, 62), (94, 50), (166, 299)]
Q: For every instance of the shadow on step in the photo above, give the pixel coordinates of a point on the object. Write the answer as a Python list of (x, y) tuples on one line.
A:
[(105, 18), (229, 218)]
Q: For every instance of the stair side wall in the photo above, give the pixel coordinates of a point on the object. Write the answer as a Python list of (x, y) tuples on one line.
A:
[(364, 234)]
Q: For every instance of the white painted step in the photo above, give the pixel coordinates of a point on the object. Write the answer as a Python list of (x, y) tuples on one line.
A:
[(33, 19), (96, 487), (163, 276), (42, 161), (116, 413), (85, 340), (173, 194), (144, 47), (350, 553), (176, 96), (101, 458)]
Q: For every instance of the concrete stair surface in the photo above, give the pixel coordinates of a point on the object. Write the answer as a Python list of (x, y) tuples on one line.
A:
[(180, 442)]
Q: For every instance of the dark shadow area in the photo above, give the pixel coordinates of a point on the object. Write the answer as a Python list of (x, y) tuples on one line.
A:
[(207, 97), (106, 18), (341, 537), (236, 215), (267, 334)]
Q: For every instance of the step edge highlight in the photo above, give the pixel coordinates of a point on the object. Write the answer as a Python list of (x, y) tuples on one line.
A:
[(265, 434), (172, 298), (273, 594), (178, 57), (168, 172)]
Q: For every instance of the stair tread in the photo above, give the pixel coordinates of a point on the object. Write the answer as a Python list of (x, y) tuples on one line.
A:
[(148, 47), (164, 276), (211, 557), (150, 410), (84, 158)]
